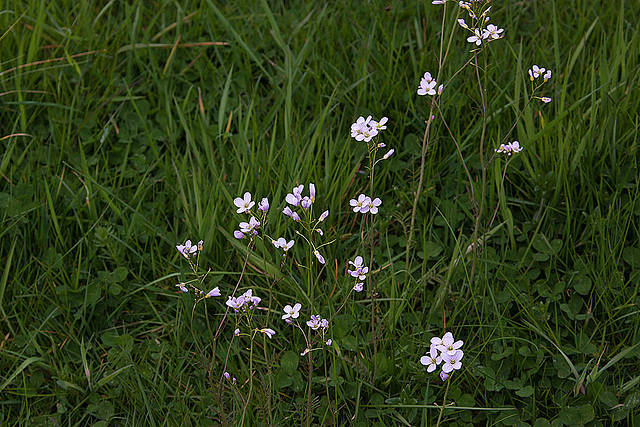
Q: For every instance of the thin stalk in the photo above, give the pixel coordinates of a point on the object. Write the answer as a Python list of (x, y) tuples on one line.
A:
[(444, 403)]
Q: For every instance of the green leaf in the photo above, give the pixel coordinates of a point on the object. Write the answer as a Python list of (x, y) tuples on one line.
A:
[(631, 256), (289, 362), (525, 391)]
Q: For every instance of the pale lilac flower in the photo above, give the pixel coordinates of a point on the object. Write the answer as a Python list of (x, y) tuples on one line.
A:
[(295, 196), (462, 23), (248, 296), (291, 312), (288, 212), (320, 257), (360, 270), (389, 154), (443, 375), (509, 149), (381, 145), (215, 292), (263, 205), (381, 124), (432, 360), (329, 342), (250, 227), (238, 234), (452, 361), (317, 322), (306, 202), (187, 249), (361, 204), (283, 244), (324, 216), (362, 129), (237, 332), (545, 99), (449, 345), (476, 37), (427, 85), (358, 287), (373, 205), (227, 375), (235, 303), (492, 32), (320, 232), (182, 287), (547, 75), (244, 204), (312, 192), (200, 245), (440, 89), (269, 332), (536, 72), (438, 2), (436, 341)]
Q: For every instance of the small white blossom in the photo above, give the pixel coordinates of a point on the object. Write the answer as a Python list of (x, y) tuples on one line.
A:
[(244, 204)]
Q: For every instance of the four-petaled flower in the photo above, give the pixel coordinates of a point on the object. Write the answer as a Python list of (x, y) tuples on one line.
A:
[(215, 292), (432, 360), (492, 32), (360, 270), (288, 212), (452, 361), (244, 204), (263, 205), (373, 205), (317, 322), (509, 149), (476, 37), (427, 85), (358, 287), (283, 244), (448, 345), (250, 227), (187, 249), (291, 312), (361, 204)]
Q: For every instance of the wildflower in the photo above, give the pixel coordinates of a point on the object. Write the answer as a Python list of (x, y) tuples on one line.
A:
[(306, 350), (389, 154), (312, 192), (248, 296), (509, 149), (361, 204), (545, 99), (373, 205), (438, 2), (235, 303), (244, 204), (364, 129), (295, 196), (329, 342), (462, 23), (360, 269), (320, 257), (436, 341), (448, 345), (492, 32), (432, 360), (182, 287), (237, 332), (228, 376), (427, 85), (476, 37), (283, 244), (292, 312), (215, 292), (263, 205), (288, 212), (440, 89), (268, 332), (324, 216), (381, 124), (317, 322), (320, 232), (444, 375), (238, 234), (381, 145), (306, 202), (452, 361), (200, 245), (250, 227), (186, 249), (358, 287), (547, 75), (536, 72)]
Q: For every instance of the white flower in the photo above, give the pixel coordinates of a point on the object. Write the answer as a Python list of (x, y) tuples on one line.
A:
[(358, 287), (373, 205), (324, 216), (547, 75), (432, 360), (182, 287), (361, 204), (268, 332), (250, 227), (215, 292), (509, 149), (244, 204), (263, 205), (283, 244), (427, 85), (462, 23), (492, 32), (452, 361), (389, 154), (292, 312), (476, 37), (448, 345), (320, 257), (187, 249), (545, 99)]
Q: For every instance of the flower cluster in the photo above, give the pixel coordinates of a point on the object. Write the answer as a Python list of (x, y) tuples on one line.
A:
[(446, 350), (244, 302), (359, 272), (244, 205), (364, 204), (478, 13), (366, 129), (428, 85), (509, 148), (535, 74), (282, 243)]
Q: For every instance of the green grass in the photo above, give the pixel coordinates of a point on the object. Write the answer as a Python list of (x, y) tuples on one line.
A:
[(129, 127)]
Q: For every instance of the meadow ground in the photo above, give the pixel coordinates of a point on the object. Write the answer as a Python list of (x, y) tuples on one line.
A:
[(129, 127)]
